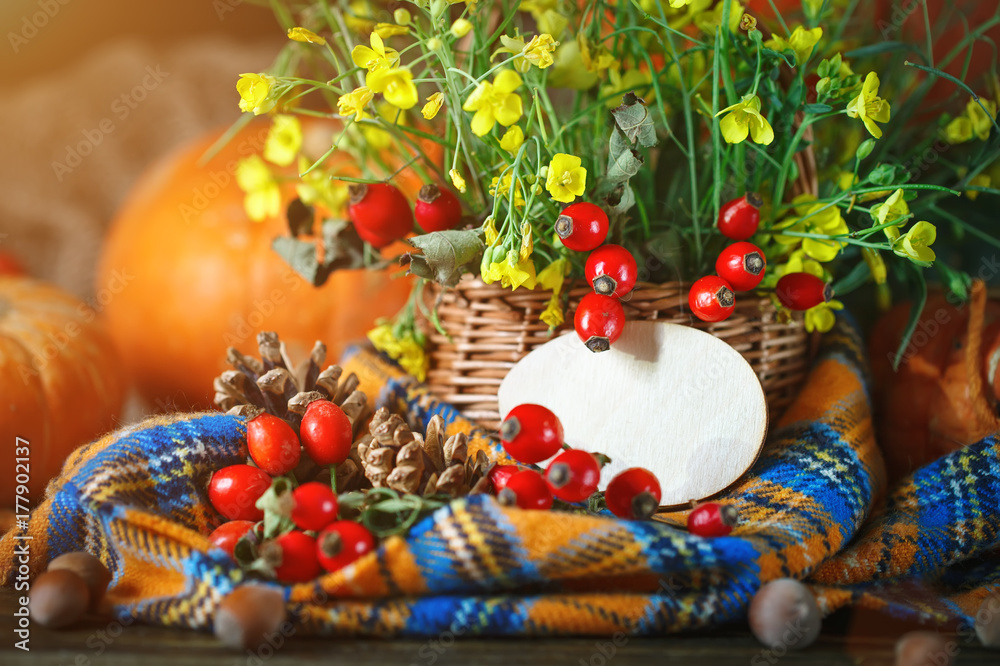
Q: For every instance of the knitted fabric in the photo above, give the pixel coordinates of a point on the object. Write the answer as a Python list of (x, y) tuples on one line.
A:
[(814, 507)]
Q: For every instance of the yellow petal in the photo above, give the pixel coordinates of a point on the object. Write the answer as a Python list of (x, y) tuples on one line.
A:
[(734, 131), (507, 81)]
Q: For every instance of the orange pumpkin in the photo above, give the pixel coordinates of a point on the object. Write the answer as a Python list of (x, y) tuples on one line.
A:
[(204, 277), (61, 381)]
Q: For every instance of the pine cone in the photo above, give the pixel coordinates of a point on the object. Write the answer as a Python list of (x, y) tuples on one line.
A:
[(398, 458), (274, 385)]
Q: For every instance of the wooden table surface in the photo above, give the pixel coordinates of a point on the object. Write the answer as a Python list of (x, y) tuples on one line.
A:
[(846, 640)]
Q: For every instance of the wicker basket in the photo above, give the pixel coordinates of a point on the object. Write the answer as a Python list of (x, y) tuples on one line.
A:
[(491, 329)]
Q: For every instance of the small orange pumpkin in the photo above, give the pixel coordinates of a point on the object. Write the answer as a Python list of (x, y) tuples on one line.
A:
[(203, 276), (60, 380)]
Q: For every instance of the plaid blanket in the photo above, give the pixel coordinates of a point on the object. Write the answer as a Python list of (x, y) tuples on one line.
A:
[(814, 507)]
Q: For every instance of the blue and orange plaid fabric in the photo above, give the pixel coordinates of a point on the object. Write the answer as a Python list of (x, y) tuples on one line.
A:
[(814, 507)]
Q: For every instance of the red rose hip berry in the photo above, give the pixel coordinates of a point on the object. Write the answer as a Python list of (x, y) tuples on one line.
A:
[(742, 265), (739, 218), (500, 474), (315, 506), (712, 520), (711, 298), (612, 270), (326, 432), (573, 475), (531, 433), (234, 491), (526, 490), (273, 444), (343, 542), (380, 213), (801, 291), (633, 494), (226, 535), (437, 209), (599, 321), (582, 226), (293, 556)]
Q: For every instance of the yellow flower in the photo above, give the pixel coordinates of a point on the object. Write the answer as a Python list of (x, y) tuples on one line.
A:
[(876, 265), (457, 180), (512, 139), (527, 244), (546, 14), (316, 188), (618, 84), (406, 350), (570, 70), (304, 35), (959, 130), (263, 196), (490, 231), (461, 27), (255, 91), (869, 106), (359, 17), (916, 243), (284, 140), (891, 210), (387, 30), (798, 262), (553, 276), (354, 103), (396, 85), (553, 312), (821, 317), (744, 118), (566, 179), (500, 187), (801, 41), (708, 21), (379, 138), (539, 50), (982, 180), (511, 271), (981, 122), (376, 58), (596, 58), (826, 221), (433, 105), (495, 102)]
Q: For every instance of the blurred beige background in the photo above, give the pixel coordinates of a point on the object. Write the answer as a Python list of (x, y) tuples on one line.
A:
[(94, 92)]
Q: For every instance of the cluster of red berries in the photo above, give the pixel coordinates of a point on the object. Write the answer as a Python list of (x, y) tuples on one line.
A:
[(381, 214), (532, 433), (318, 540), (741, 267), (610, 269)]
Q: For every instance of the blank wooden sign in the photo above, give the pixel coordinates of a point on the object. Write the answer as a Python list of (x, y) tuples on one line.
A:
[(673, 399)]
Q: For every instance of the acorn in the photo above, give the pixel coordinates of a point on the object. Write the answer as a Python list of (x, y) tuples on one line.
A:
[(924, 648), (785, 614), (58, 598), (248, 615), (93, 572), (988, 622)]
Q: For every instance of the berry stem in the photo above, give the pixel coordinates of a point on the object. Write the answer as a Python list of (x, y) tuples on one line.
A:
[(333, 478)]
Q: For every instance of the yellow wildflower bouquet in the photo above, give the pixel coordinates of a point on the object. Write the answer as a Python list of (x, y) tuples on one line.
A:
[(661, 112)]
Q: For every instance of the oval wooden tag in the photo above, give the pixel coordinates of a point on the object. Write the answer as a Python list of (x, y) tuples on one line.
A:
[(673, 399)]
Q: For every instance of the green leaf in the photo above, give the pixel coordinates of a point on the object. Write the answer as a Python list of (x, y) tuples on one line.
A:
[(343, 249), (816, 108), (623, 162), (301, 256), (447, 255), (883, 174), (277, 504), (300, 218), (865, 149), (635, 121)]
